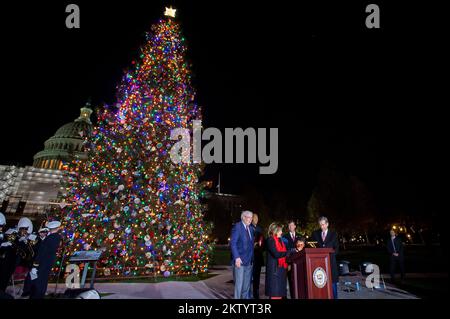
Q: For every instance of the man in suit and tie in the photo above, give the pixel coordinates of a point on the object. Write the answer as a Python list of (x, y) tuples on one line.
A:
[(258, 257), (327, 238), (289, 240), (241, 243), (291, 236), (395, 249)]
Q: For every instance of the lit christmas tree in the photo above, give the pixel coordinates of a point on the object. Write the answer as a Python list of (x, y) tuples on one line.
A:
[(128, 198)]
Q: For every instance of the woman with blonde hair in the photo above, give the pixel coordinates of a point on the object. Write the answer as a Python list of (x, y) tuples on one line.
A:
[(276, 265)]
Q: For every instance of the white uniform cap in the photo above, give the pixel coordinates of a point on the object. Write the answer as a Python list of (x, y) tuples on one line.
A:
[(89, 294), (11, 231), (25, 222), (43, 229), (53, 224)]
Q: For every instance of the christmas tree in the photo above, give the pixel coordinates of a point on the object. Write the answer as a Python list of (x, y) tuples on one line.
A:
[(128, 198)]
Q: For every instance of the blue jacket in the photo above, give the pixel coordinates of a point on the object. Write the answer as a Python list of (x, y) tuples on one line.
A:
[(241, 243)]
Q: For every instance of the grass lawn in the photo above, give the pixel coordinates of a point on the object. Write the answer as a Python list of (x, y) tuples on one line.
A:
[(418, 259), (426, 287), (221, 256)]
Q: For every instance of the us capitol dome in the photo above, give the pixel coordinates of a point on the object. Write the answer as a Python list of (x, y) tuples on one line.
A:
[(32, 191), (66, 143)]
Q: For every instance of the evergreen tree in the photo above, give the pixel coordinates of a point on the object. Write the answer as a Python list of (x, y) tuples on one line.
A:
[(128, 198)]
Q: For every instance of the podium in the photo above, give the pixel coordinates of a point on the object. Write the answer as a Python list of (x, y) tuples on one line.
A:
[(311, 273), (87, 257)]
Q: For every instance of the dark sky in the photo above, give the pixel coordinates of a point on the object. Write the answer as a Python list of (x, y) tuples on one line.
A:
[(364, 99)]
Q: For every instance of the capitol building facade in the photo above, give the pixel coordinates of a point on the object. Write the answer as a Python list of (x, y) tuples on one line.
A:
[(32, 191)]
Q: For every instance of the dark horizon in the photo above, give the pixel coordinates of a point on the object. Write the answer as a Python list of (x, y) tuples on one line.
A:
[(338, 93)]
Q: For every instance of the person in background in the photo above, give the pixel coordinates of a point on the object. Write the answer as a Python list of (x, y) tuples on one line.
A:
[(241, 243), (327, 238), (396, 253), (258, 259), (290, 237), (295, 257), (299, 244), (43, 232), (276, 264), (44, 261)]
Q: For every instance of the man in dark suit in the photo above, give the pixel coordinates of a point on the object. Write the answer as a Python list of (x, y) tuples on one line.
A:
[(291, 236), (258, 259), (241, 243), (289, 240), (326, 238), (395, 249)]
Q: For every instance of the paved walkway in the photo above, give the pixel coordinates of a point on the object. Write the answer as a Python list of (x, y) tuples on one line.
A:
[(221, 286)]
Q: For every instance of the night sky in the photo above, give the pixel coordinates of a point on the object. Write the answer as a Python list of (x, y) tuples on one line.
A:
[(367, 100)]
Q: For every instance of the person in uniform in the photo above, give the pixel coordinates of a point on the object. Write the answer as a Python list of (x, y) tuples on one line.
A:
[(8, 252), (44, 261), (42, 233), (16, 254), (5, 252), (4, 244), (24, 242)]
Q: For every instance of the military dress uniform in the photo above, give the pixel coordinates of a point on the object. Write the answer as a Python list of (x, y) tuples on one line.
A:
[(34, 243), (43, 264), (8, 258)]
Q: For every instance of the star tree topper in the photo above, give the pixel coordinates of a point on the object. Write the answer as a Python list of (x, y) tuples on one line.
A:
[(170, 12)]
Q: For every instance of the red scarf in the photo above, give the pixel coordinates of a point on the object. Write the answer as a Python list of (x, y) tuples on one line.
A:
[(279, 245)]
